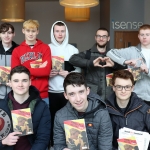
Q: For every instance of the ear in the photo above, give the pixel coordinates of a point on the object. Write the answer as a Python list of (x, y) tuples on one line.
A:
[(113, 88), (23, 30), (65, 95), (95, 37), (108, 38), (9, 83), (138, 36), (30, 81), (132, 88), (88, 90), (14, 34)]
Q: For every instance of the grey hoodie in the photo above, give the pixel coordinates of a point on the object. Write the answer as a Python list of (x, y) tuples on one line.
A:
[(63, 49), (142, 86)]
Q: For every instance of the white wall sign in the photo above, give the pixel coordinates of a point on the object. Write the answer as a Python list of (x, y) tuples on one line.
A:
[(126, 25)]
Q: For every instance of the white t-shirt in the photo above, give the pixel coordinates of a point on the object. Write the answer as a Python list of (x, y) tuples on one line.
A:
[(146, 53)]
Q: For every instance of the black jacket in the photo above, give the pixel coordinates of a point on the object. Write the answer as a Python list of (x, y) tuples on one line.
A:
[(136, 116), (95, 76), (99, 134)]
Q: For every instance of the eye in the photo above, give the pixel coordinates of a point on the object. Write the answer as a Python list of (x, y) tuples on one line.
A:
[(71, 94)]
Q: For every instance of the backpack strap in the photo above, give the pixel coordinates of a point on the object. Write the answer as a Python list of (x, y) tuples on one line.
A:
[(87, 56)]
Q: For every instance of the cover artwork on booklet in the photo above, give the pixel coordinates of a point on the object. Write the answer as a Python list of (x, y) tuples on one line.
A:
[(58, 63), (76, 136), (36, 63), (22, 121), (4, 74)]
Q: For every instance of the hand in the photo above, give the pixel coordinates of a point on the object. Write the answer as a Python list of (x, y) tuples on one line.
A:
[(66, 149), (97, 61), (43, 65), (53, 73), (132, 62), (11, 139), (63, 73), (109, 62), (144, 68)]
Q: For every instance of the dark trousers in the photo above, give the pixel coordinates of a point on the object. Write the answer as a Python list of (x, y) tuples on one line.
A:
[(57, 101), (147, 102)]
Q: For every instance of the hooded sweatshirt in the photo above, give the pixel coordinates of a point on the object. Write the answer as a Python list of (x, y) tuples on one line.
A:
[(66, 50), (24, 55), (5, 60)]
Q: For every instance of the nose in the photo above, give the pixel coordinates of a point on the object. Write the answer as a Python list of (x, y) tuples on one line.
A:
[(20, 83), (77, 97), (123, 90)]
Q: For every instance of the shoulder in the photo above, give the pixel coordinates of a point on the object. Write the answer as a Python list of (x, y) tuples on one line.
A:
[(72, 48)]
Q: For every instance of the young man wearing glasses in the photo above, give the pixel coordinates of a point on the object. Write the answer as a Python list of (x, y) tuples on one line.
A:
[(126, 109), (95, 63), (138, 56)]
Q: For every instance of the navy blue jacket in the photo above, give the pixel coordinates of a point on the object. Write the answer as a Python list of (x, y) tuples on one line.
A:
[(136, 116), (40, 119)]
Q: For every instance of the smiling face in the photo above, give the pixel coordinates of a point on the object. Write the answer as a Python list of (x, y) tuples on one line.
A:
[(59, 33), (123, 95), (7, 36), (144, 37), (77, 96), (30, 34), (102, 38), (20, 83)]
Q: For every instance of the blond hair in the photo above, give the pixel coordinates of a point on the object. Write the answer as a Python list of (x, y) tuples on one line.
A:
[(31, 24)]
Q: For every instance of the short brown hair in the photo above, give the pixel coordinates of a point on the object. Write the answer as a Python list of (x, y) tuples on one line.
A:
[(123, 74), (144, 27), (4, 27)]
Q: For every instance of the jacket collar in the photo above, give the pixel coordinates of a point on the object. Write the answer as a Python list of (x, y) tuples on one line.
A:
[(135, 103)]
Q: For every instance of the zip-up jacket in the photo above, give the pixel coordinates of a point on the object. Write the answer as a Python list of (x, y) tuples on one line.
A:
[(136, 116), (39, 140), (99, 133), (95, 76), (142, 86), (5, 60)]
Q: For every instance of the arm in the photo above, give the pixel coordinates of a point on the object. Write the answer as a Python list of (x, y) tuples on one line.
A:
[(80, 61), (15, 61), (59, 135), (105, 132), (45, 71), (120, 55), (42, 136)]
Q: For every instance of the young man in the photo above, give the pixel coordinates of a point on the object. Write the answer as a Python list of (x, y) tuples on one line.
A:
[(30, 50), (82, 105), (96, 65), (59, 47), (25, 96), (137, 57), (7, 33), (126, 109)]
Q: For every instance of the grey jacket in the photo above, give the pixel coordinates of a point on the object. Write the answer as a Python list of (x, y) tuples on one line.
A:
[(99, 135), (142, 86), (5, 60), (95, 76)]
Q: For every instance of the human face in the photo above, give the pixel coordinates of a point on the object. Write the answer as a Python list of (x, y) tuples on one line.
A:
[(102, 38), (122, 95), (20, 83), (77, 96), (59, 33), (144, 37), (7, 36), (30, 34)]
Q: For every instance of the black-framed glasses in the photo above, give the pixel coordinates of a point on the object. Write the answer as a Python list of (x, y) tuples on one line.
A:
[(103, 36), (120, 88)]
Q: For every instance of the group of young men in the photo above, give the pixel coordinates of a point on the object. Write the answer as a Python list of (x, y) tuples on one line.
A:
[(68, 93)]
